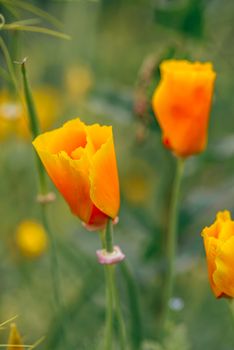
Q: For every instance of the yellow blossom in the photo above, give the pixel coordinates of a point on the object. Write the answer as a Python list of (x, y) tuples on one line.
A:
[(31, 239)]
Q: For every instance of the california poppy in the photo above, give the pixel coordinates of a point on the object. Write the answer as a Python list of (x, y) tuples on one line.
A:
[(181, 104), (219, 246), (80, 159)]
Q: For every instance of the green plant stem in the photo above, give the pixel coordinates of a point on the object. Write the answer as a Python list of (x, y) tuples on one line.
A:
[(34, 126), (35, 130), (109, 236), (171, 244), (112, 297)]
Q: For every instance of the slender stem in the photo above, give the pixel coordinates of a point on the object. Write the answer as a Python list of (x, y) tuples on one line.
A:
[(33, 118), (34, 125), (171, 245), (109, 236), (112, 296), (35, 130), (136, 331)]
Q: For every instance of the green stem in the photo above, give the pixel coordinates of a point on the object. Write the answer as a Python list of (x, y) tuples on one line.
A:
[(109, 236), (171, 245), (35, 130), (112, 296), (34, 126), (136, 328)]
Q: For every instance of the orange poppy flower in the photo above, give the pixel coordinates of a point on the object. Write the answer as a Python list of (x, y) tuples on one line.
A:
[(182, 102), (80, 159), (219, 246)]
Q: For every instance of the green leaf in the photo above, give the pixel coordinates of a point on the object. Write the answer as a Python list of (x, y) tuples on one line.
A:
[(9, 64), (15, 26)]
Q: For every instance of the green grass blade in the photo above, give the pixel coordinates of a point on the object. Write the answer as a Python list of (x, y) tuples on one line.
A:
[(34, 29), (9, 64)]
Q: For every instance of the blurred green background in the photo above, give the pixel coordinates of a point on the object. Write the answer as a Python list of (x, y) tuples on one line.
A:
[(106, 73)]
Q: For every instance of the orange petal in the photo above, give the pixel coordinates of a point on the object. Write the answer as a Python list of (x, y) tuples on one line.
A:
[(224, 273), (211, 245), (70, 176), (104, 181), (67, 138)]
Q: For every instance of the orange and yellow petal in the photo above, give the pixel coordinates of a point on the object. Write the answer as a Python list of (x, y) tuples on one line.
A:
[(71, 177), (224, 275), (67, 138), (104, 180), (211, 246), (219, 247)]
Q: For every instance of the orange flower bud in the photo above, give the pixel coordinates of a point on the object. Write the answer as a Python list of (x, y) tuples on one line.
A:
[(80, 159), (219, 246), (181, 103)]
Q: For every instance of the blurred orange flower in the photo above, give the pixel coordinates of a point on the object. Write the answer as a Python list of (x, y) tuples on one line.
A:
[(182, 104), (13, 114), (80, 159), (219, 246)]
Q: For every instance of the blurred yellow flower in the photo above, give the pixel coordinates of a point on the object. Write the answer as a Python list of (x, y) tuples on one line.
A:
[(219, 246), (15, 339), (31, 239), (78, 81), (13, 115), (11, 112)]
